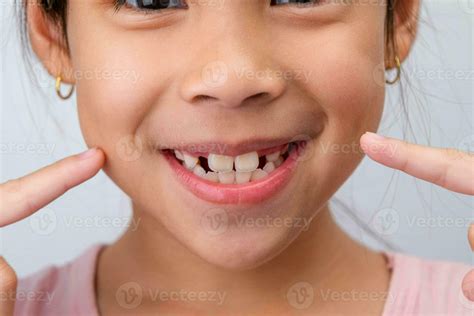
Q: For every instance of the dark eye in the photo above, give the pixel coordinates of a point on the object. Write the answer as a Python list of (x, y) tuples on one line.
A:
[(151, 5), (302, 2)]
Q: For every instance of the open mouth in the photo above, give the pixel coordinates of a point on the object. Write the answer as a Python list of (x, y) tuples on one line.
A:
[(240, 169), (247, 177)]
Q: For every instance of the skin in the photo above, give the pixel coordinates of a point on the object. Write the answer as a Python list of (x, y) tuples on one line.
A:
[(164, 108)]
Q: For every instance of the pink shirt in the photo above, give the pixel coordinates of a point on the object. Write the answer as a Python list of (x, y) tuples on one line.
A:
[(417, 287)]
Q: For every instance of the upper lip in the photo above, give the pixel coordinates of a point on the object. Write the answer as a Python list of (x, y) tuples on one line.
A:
[(231, 148)]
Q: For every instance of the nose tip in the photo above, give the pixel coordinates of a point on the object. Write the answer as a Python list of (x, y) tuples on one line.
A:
[(228, 86)]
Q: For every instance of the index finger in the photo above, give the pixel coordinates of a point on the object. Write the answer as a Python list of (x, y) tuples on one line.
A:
[(23, 196), (446, 167)]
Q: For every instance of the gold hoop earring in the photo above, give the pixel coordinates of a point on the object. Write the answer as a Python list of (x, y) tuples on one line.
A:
[(399, 72), (58, 89)]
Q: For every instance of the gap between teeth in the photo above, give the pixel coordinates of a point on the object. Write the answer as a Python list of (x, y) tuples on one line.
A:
[(232, 170)]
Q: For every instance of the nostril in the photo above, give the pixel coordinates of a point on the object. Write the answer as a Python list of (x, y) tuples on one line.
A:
[(202, 98), (260, 95)]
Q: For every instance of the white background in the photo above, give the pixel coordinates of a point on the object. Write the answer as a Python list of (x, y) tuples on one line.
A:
[(418, 218)]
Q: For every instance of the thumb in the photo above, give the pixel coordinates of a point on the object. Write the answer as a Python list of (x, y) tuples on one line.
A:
[(8, 283)]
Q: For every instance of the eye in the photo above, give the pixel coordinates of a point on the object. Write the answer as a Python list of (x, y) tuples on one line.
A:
[(148, 6), (302, 3)]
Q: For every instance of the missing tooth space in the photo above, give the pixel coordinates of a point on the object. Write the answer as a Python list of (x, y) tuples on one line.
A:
[(203, 162)]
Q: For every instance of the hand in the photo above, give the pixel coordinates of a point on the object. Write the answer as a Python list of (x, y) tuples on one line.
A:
[(24, 196), (448, 168)]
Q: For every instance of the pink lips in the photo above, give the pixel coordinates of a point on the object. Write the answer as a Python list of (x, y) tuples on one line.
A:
[(249, 193)]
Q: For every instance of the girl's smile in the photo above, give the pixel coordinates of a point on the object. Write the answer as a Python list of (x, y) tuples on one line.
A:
[(250, 177)]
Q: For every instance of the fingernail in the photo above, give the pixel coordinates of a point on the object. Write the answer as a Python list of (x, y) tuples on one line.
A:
[(87, 154), (470, 235), (376, 137)]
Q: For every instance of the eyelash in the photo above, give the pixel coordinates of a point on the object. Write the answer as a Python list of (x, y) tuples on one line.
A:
[(126, 4), (119, 4)]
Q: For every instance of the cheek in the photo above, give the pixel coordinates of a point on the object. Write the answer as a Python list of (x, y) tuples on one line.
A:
[(114, 92), (347, 81), (347, 84), (352, 94)]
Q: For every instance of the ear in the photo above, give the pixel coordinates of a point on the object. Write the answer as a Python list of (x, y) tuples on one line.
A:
[(406, 13), (46, 39)]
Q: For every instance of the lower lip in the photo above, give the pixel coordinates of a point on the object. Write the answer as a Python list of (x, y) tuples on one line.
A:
[(250, 193)]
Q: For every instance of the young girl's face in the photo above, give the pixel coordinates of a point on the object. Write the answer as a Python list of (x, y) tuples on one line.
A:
[(228, 78)]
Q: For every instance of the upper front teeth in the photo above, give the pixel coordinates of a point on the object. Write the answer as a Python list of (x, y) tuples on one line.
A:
[(220, 163), (247, 162), (222, 167)]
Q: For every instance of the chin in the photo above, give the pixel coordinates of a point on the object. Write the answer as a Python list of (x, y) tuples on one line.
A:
[(243, 250)]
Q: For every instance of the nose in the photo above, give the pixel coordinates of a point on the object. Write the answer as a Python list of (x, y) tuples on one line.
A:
[(238, 73)]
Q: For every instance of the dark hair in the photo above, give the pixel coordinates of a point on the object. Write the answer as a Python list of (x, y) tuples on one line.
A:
[(56, 11)]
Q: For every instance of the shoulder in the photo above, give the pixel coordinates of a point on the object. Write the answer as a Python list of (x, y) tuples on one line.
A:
[(60, 290), (426, 287)]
